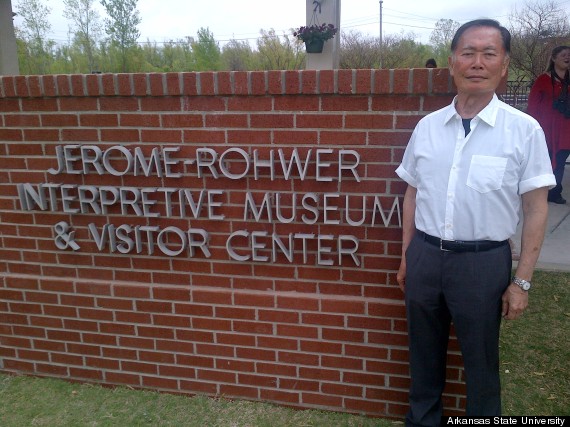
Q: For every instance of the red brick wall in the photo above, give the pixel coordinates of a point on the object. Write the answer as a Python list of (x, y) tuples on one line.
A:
[(293, 332)]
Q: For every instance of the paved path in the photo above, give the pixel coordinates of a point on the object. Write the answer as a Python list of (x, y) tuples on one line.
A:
[(555, 254)]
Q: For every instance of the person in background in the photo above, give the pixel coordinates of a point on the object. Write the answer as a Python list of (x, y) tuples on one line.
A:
[(548, 103), (468, 167), (430, 63)]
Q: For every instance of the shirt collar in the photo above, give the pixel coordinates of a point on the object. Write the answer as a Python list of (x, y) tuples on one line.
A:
[(487, 114)]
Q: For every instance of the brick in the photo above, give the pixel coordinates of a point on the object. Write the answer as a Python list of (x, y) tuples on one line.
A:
[(258, 82), (275, 82), (126, 291), (21, 85), (73, 135), (49, 85), (241, 82), (343, 306), (327, 81), (160, 104), (189, 81), (322, 400), (206, 83), (296, 303), (298, 358), (51, 369), (226, 120), (63, 82), (35, 105), (271, 121), (77, 104), (156, 82), (363, 82), (135, 84), (345, 81), (34, 86), (119, 104), (121, 378), (441, 81), (88, 374), (297, 331), (181, 120), (420, 81), (258, 103), (59, 120), (257, 380), (9, 105), (176, 371), (108, 84), (99, 120), (77, 85), (11, 135), (292, 82), (93, 84), (309, 81), (219, 376), (224, 83), (341, 389)]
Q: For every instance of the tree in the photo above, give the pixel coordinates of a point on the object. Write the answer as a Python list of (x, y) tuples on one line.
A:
[(86, 27), (441, 38), (34, 34), (206, 51), (402, 51), (237, 56), (121, 26), (358, 51), (443, 33), (536, 28), (274, 54)]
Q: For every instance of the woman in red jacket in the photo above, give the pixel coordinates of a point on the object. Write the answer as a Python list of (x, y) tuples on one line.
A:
[(548, 103)]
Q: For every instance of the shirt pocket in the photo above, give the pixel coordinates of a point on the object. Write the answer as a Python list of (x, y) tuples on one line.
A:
[(486, 173)]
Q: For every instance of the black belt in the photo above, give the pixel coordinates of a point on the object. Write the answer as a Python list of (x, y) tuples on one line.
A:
[(461, 245)]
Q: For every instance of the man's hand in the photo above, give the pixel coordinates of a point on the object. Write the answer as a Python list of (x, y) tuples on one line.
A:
[(401, 276), (408, 231), (515, 301)]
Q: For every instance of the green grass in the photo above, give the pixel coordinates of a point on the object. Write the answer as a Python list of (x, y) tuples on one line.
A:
[(535, 351), (535, 354), (29, 401)]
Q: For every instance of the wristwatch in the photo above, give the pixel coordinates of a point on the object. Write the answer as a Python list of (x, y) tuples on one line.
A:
[(525, 285)]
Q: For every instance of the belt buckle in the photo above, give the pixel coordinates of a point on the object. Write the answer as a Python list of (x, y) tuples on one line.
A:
[(441, 246)]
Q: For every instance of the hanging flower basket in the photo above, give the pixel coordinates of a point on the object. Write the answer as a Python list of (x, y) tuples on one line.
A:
[(314, 46), (315, 36)]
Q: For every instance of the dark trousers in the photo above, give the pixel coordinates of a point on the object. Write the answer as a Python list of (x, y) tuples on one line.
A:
[(560, 161), (466, 289)]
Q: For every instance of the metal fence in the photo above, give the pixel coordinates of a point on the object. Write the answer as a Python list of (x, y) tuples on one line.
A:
[(517, 93)]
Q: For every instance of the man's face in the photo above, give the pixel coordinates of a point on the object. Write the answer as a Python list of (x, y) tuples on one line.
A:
[(479, 61)]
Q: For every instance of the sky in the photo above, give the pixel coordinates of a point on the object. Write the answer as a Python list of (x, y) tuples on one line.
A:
[(164, 20)]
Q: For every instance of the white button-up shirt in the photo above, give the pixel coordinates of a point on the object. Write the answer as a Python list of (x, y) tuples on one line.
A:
[(469, 187)]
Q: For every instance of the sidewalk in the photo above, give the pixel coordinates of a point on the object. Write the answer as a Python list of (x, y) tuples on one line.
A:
[(555, 254)]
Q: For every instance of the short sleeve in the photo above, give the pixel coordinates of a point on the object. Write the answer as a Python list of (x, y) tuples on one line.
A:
[(407, 169), (536, 168)]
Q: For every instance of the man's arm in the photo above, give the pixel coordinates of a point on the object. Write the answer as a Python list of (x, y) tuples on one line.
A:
[(535, 215), (408, 230)]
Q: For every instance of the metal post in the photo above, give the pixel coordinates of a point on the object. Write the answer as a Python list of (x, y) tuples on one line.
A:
[(381, 42)]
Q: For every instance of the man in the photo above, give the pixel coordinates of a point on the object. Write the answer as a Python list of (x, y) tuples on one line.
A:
[(468, 167)]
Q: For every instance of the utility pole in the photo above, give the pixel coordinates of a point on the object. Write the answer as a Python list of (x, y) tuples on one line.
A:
[(381, 42)]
